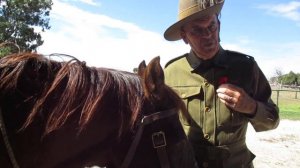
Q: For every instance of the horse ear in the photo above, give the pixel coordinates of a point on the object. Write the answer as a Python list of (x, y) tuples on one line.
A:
[(141, 68), (154, 76)]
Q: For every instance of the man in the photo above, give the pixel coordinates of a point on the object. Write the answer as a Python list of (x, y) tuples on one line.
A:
[(223, 90)]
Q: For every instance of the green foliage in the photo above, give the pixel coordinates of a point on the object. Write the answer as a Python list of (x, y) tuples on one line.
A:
[(7, 48), (4, 51), (20, 19), (290, 79)]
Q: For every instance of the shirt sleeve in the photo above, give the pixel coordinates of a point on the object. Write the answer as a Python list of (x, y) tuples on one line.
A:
[(267, 112)]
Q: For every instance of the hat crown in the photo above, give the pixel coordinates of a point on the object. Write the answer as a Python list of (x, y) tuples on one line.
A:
[(189, 7)]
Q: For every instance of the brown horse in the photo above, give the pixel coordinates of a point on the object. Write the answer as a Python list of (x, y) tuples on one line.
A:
[(66, 114)]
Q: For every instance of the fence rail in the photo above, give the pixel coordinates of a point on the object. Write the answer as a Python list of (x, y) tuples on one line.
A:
[(278, 94)]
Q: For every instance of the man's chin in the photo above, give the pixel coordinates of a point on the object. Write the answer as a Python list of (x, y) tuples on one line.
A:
[(211, 50)]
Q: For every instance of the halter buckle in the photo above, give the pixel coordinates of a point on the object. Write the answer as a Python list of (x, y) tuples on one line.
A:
[(159, 139)]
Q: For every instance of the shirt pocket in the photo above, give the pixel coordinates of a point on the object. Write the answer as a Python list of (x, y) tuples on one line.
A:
[(230, 122), (192, 97)]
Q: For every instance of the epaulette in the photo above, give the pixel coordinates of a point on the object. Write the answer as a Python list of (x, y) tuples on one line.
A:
[(175, 59), (236, 53)]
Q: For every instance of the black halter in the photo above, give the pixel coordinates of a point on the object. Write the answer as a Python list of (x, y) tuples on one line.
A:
[(7, 143), (158, 139)]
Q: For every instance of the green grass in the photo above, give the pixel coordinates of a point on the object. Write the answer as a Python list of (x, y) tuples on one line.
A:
[(291, 115), (289, 111), (288, 103)]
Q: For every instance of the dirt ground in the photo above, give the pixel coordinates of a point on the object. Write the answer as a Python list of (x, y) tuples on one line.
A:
[(279, 148)]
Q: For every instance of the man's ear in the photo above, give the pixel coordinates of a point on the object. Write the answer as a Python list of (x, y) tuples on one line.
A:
[(219, 24), (183, 36)]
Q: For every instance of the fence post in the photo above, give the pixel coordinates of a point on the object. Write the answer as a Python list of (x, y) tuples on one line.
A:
[(277, 97)]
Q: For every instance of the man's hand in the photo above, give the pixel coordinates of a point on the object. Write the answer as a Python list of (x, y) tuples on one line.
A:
[(236, 98)]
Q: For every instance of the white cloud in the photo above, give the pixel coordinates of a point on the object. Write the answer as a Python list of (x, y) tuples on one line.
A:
[(285, 57), (289, 10), (104, 41), (90, 2)]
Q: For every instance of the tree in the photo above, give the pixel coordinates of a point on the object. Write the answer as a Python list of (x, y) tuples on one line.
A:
[(290, 78), (19, 21), (277, 74), (7, 48)]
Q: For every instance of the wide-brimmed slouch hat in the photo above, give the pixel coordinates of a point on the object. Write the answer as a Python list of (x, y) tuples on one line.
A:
[(190, 10)]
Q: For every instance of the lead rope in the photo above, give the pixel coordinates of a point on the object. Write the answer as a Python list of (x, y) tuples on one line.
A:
[(6, 142), (133, 147)]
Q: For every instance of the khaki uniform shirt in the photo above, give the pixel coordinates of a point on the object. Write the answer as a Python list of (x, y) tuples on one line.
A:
[(217, 133)]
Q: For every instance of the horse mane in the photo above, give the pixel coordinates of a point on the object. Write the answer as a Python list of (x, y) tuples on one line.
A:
[(76, 87), (12, 67)]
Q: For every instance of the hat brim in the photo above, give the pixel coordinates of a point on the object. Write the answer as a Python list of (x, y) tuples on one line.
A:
[(173, 32)]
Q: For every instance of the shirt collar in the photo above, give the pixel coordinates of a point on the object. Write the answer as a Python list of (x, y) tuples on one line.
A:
[(218, 60)]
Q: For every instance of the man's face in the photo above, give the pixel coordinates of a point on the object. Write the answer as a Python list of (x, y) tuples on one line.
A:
[(203, 36)]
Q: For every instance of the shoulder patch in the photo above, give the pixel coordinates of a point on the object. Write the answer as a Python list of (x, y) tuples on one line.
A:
[(175, 59)]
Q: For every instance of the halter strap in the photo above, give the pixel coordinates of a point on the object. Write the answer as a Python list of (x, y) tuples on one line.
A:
[(158, 116), (6, 142), (145, 121)]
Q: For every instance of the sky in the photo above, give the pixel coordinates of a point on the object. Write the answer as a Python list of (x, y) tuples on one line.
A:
[(119, 34)]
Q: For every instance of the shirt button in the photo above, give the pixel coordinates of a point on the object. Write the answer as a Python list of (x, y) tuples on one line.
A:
[(206, 84), (207, 109), (206, 136), (220, 127)]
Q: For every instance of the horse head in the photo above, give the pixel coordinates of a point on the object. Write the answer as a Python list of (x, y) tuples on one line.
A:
[(159, 140)]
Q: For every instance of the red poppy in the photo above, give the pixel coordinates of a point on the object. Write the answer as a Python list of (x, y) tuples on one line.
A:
[(223, 79)]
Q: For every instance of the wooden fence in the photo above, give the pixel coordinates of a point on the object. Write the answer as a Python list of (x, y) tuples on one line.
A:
[(285, 94)]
